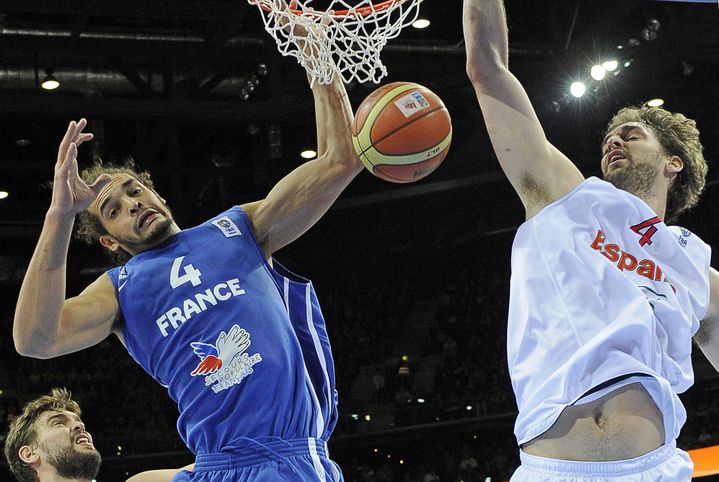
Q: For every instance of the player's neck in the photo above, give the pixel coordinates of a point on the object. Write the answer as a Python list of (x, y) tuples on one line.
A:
[(657, 200), (654, 193)]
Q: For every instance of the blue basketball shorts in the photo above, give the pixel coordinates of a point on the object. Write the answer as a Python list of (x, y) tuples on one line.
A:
[(270, 460)]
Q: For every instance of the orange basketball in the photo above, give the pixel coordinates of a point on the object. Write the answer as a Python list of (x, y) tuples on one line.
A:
[(402, 132)]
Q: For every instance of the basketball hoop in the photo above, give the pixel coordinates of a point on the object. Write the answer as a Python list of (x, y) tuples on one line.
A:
[(345, 39)]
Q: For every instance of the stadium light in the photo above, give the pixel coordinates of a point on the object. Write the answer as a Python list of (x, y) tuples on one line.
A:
[(598, 72), (610, 65), (50, 82), (578, 89)]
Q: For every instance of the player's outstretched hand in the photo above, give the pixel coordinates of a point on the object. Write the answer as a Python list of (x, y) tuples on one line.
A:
[(310, 35), (70, 194)]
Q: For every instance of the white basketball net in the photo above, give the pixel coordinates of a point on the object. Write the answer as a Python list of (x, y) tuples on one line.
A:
[(347, 42)]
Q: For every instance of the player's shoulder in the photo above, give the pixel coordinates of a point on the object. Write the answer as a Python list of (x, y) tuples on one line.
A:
[(232, 222), (686, 237)]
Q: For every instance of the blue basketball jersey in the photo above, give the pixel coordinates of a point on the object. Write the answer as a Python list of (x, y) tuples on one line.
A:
[(241, 347)]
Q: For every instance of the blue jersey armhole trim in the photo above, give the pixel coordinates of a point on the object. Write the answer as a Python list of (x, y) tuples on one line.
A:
[(112, 274), (278, 269)]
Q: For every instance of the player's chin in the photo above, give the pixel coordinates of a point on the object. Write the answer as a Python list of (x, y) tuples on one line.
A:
[(613, 173), (156, 231)]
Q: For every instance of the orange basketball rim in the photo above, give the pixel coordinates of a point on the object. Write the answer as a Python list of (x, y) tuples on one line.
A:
[(365, 11)]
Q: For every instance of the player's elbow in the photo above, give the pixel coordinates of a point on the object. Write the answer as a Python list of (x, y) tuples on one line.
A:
[(27, 349), (27, 346), (485, 73), (473, 72)]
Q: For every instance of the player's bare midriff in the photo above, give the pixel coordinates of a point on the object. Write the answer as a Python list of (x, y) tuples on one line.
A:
[(622, 424)]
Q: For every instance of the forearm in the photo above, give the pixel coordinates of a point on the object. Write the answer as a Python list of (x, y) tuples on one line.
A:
[(298, 201), (486, 38), (42, 294), (333, 117)]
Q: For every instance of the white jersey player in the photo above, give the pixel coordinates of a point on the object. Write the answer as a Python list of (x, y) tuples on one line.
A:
[(605, 297)]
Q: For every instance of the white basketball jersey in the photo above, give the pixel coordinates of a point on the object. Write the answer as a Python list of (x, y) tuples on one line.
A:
[(601, 288)]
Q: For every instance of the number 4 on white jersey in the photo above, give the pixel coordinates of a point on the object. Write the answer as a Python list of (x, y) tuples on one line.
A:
[(191, 274)]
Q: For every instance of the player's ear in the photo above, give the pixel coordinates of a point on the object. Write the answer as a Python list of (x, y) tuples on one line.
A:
[(28, 455), (109, 242), (673, 166)]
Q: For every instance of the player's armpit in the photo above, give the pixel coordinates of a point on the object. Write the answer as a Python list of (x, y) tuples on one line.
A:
[(707, 337)]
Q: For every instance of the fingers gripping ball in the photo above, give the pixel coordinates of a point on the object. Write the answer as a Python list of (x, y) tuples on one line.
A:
[(402, 132)]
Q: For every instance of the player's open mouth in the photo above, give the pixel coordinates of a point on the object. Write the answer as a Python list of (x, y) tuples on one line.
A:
[(615, 156), (146, 218), (83, 440)]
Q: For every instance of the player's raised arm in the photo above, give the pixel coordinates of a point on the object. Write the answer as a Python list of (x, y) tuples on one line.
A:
[(537, 170), (45, 325), (300, 199)]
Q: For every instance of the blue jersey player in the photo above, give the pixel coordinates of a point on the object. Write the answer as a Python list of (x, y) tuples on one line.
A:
[(238, 341)]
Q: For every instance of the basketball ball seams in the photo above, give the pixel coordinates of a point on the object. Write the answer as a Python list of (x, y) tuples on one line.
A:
[(422, 169), (409, 158), (395, 179), (387, 96), (361, 153), (389, 176), (388, 134), (440, 105), (367, 162), (390, 96), (365, 130), (410, 164), (359, 148)]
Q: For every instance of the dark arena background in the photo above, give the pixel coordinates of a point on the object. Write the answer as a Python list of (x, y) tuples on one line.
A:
[(413, 279)]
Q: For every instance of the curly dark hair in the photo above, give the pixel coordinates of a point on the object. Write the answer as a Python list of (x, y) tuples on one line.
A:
[(678, 136), (22, 429), (89, 227)]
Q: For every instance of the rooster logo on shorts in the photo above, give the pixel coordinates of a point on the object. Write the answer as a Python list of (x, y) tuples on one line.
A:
[(227, 347)]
